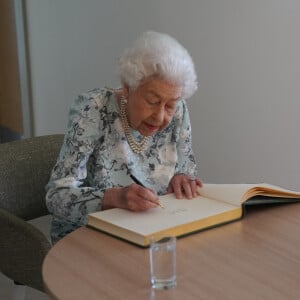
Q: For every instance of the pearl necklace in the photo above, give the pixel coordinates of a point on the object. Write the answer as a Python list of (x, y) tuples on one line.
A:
[(137, 147)]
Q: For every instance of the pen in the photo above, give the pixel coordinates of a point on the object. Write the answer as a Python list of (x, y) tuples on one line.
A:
[(139, 183)]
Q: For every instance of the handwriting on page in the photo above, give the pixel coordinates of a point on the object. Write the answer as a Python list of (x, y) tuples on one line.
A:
[(177, 211)]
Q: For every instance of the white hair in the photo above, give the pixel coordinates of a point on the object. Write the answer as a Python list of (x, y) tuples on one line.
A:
[(160, 55)]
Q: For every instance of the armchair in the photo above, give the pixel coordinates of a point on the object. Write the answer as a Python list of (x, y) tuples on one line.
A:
[(25, 167)]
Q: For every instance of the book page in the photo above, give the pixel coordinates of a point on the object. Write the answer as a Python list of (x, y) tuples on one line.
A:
[(176, 212), (236, 194), (229, 193)]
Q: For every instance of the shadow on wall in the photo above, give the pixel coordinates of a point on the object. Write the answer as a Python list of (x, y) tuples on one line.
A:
[(7, 135)]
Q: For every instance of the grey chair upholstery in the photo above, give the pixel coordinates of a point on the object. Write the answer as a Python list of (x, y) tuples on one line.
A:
[(25, 167)]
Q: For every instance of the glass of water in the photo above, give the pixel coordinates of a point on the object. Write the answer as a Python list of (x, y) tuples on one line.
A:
[(163, 261)]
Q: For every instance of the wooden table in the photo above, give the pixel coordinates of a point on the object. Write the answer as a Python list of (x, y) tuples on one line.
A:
[(257, 257)]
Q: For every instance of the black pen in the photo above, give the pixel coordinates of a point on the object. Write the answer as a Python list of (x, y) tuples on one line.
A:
[(139, 183)]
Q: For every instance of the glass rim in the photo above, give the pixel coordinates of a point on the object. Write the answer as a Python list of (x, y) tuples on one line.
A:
[(162, 238)]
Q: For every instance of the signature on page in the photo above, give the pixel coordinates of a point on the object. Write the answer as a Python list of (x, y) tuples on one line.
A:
[(177, 211)]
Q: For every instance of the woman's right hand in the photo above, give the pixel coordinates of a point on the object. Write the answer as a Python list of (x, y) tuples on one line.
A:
[(133, 197)]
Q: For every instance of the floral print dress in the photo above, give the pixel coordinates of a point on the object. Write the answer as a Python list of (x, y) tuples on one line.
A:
[(96, 156)]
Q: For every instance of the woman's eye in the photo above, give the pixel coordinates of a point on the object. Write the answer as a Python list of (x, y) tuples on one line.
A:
[(170, 108), (153, 101)]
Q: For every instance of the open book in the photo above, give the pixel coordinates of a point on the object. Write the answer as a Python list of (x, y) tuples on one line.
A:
[(217, 204)]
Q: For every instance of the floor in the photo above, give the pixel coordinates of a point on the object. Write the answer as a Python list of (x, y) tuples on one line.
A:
[(7, 286), (7, 289)]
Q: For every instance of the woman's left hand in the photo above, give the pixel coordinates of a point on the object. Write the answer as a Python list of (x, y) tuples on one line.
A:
[(183, 185)]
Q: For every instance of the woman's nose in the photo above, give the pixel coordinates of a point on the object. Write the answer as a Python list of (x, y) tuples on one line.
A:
[(159, 115)]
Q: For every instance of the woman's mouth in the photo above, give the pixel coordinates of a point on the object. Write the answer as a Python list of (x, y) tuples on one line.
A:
[(151, 128)]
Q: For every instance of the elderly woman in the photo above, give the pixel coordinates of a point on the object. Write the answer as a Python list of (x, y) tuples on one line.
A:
[(141, 129)]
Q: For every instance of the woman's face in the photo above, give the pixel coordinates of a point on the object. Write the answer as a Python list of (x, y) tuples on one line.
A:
[(151, 107)]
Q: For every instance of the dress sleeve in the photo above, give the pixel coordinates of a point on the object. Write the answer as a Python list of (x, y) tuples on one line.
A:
[(67, 197), (186, 160)]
